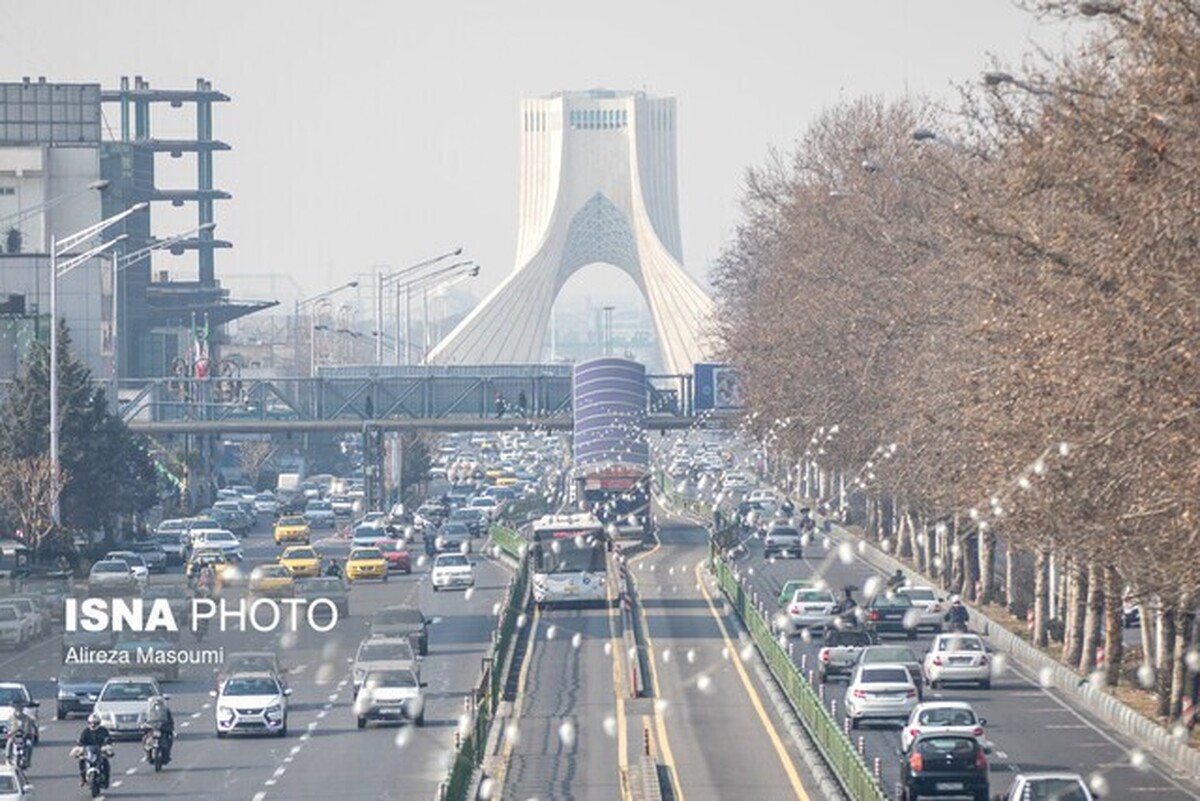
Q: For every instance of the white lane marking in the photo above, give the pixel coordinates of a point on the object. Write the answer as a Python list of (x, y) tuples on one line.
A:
[(322, 713), (296, 749), (279, 771), (131, 771), (312, 725), (270, 783), (184, 724), (207, 705), (259, 796), (195, 715), (333, 697), (327, 706)]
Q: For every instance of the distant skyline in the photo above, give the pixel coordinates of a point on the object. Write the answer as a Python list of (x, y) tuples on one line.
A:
[(390, 134)]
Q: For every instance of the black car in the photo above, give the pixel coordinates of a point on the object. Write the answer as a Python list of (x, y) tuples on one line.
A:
[(944, 765), (475, 520), (78, 686), (892, 614)]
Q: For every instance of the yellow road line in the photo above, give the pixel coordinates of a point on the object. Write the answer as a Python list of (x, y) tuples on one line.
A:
[(734, 656), (507, 748), (614, 607)]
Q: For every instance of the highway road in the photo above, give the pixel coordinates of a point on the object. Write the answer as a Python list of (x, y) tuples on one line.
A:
[(1031, 728), (577, 728), (325, 755)]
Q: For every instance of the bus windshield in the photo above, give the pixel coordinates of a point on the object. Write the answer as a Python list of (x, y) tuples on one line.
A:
[(568, 556)]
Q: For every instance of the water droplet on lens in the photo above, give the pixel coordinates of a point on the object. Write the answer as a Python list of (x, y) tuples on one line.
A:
[(609, 725), (1145, 676), (1046, 676), (691, 656), (512, 733), (566, 733), (576, 640), (846, 553), (608, 649)]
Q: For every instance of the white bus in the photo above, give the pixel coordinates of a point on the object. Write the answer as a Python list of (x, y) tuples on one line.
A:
[(570, 559)]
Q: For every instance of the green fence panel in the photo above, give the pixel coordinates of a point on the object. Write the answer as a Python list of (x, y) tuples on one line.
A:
[(854, 775)]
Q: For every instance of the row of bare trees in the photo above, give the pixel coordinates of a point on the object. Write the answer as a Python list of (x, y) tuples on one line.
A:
[(1009, 295)]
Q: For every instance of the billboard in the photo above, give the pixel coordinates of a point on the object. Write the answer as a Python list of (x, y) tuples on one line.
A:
[(718, 387), (610, 412)]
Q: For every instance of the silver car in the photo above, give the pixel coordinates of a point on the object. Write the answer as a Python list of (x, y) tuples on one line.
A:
[(882, 691), (122, 704), (112, 575), (383, 653)]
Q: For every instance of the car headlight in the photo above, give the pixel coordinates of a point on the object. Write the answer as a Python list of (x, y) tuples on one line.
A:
[(108, 716), (274, 711), (224, 713), (63, 693), (359, 675)]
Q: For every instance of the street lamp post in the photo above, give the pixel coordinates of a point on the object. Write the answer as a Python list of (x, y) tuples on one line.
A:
[(62, 248), (443, 277), (382, 281), (300, 304), (120, 263), (21, 215), (445, 284)]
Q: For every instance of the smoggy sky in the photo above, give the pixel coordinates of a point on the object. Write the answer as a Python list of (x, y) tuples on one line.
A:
[(381, 133)]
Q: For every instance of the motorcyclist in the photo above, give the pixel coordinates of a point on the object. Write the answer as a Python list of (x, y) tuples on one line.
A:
[(807, 524), (206, 579), (93, 735), (21, 725), (159, 717), (333, 569), (787, 507), (957, 616), (896, 580)]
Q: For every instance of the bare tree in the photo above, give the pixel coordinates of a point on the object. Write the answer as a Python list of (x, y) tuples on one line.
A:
[(28, 489), (256, 455)]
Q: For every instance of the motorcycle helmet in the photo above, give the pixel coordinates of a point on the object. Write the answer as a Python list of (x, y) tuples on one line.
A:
[(93, 720)]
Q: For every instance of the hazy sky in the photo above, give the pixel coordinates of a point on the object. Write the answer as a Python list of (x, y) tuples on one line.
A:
[(368, 133)]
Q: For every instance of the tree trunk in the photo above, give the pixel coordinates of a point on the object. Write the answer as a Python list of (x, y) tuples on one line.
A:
[(904, 534), (1091, 622), (1146, 616), (1166, 650), (1114, 628), (970, 563), (943, 553), (1009, 578), (1179, 672), (987, 566), (928, 547), (1040, 596), (1073, 619)]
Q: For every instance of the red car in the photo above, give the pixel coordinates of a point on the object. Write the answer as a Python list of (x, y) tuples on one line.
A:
[(397, 555)]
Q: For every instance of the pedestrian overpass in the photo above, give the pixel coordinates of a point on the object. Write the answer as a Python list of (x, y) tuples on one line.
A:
[(416, 398)]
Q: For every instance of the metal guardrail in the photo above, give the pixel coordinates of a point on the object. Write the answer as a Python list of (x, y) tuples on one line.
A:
[(839, 753), (485, 698)]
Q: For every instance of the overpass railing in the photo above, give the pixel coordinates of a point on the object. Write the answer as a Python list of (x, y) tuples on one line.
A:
[(420, 397)]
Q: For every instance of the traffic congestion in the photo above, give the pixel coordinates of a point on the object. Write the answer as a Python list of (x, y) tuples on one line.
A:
[(924, 697), (240, 649)]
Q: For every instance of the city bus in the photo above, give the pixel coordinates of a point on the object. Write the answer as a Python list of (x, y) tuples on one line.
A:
[(569, 556), (620, 497)]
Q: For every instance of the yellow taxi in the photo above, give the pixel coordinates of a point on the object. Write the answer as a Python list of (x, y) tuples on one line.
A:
[(302, 560), (507, 481), (271, 580), (366, 563), (293, 528), (493, 473)]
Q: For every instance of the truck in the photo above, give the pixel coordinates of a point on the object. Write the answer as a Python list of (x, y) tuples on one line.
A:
[(288, 483), (840, 649), (619, 496)]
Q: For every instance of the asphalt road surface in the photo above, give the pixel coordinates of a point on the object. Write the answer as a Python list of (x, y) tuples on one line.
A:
[(1030, 727), (324, 756)]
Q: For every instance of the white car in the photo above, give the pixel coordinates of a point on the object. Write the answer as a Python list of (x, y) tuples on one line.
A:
[(929, 606), (10, 692), (252, 702), (958, 657), (1056, 786), (811, 608), (14, 786), (266, 503), (392, 695), (883, 691), (112, 575), (224, 541), (14, 629), (320, 513), (137, 565), (486, 503), (122, 704), (452, 570), (942, 717)]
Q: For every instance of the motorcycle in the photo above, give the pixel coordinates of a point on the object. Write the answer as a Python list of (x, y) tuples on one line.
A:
[(20, 751), (153, 744), (96, 766)]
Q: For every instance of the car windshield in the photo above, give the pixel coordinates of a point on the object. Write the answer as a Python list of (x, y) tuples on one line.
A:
[(273, 571), (954, 644), (940, 746), (319, 587), (166, 539), (8, 614), (110, 567), (920, 594), (250, 664), (365, 553), (390, 545), (248, 686), (452, 560), (843, 638), (292, 521), (318, 506), (1058, 789), (127, 691), (888, 654), (8, 784), (384, 651), (84, 673), (300, 553), (813, 597), (391, 678), (884, 676), (398, 616), (10, 694), (946, 716), (895, 602), (220, 536)]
